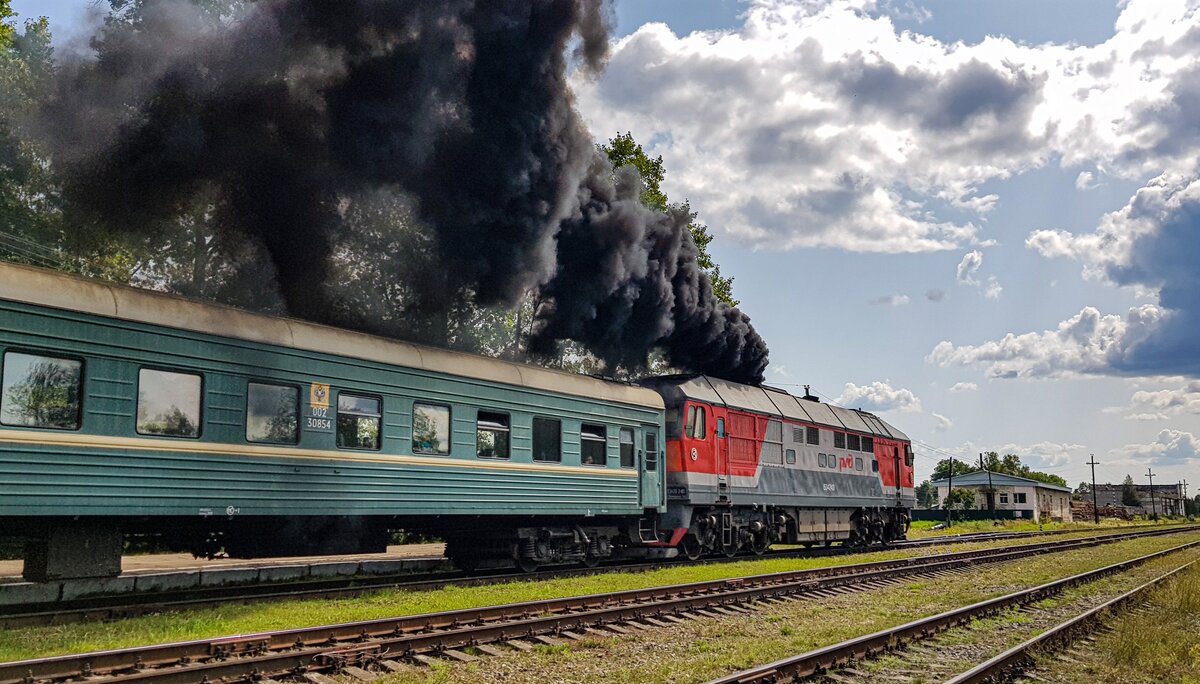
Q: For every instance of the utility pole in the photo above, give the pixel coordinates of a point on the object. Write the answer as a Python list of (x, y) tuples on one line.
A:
[(1153, 506), (1185, 499), (949, 491), (1095, 506), (991, 492)]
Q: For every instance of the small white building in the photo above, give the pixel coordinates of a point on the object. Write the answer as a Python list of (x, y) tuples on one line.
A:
[(1010, 496)]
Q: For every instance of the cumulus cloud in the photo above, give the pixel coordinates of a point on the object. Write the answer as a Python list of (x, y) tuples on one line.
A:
[(964, 387), (941, 423), (935, 295), (1160, 404), (1088, 342), (993, 289), (1085, 181), (1171, 447), (891, 300), (838, 130), (968, 267), (1042, 454), (878, 396)]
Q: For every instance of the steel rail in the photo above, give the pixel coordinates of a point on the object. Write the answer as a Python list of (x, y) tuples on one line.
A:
[(102, 608), (818, 661), (1017, 657), (331, 647)]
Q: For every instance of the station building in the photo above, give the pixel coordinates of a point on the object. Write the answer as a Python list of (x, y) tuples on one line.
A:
[(1011, 497)]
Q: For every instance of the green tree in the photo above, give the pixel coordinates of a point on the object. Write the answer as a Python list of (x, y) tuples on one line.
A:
[(1129, 495), (1010, 464), (623, 150), (942, 470), (926, 495), (960, 499)]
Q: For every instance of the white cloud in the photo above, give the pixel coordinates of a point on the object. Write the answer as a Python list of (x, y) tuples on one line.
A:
[(1088, 342), (891, 300), (964, 387), (1085, 181), (1161, 404), (1042, 454), (838, 130), (941, 423), (1169, 448), (968, 267), (878, 396), (993, 288)]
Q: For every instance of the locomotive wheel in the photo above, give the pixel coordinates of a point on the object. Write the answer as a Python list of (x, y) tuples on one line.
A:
[(690, 547), (590, 561), (729, 551), (527, 565), (760, 546)]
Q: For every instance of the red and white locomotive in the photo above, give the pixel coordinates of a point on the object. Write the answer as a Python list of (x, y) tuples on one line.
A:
[(751, 466)]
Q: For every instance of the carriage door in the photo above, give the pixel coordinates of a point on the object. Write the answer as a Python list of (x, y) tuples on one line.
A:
[(650, 460), (896, 472), (722, 455)]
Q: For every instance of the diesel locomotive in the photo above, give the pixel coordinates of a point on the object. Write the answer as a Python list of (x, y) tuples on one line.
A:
[(124, 411)]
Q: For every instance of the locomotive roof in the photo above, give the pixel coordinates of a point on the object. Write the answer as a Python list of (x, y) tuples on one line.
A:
[(770, 401), (61, 291)]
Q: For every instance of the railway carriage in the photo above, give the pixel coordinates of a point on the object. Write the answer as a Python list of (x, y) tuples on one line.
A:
[(130, 411), (127, 411)]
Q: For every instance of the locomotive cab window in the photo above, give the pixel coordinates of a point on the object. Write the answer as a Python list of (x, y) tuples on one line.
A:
[(492, 435), (626, 439), (695, 422), (839, 440), (358, 419), (908, 455), (852, 442), (814, 435), (431, 429), (651, 450), (41, 391), (168, 403), (593, 445), (547, 440), (272, 413)]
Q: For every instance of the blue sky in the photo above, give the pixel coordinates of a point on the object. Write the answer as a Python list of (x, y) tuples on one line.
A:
[(973, 217)]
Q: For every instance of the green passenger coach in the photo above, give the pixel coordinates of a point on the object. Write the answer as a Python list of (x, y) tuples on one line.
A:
[(127, 411)]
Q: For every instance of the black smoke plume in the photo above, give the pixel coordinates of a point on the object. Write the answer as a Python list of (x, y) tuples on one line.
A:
[(464, 106)]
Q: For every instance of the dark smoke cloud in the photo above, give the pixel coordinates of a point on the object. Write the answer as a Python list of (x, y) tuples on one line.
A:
[(462, 105)]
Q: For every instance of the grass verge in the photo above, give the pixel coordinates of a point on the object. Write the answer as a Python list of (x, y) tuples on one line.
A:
[(923, 529)]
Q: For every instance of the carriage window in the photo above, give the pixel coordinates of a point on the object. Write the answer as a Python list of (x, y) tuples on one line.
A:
[(168, 403), (839, 440), (491, 435), (358, 419), (814, 435), (858, 464), (868, 444), (431, 429), (651, 450), (547, 440), (852, 442), (626, 438), (790, 455), (593, 445), (41, 391), (821, 460), (272, 413)]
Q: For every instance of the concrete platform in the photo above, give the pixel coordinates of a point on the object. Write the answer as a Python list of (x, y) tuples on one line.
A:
[(172, 572)]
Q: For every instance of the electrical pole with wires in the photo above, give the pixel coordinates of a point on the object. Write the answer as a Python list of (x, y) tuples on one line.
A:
[(991, 492), (1153, 506), (949, 491), (1095, 507)]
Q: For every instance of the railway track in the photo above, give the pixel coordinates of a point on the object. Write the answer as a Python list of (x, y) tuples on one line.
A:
[(112, 607), (358, 648), (819, 664)]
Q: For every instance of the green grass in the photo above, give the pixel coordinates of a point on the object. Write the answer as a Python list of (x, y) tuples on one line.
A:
[(257, 617), (922, 529)]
